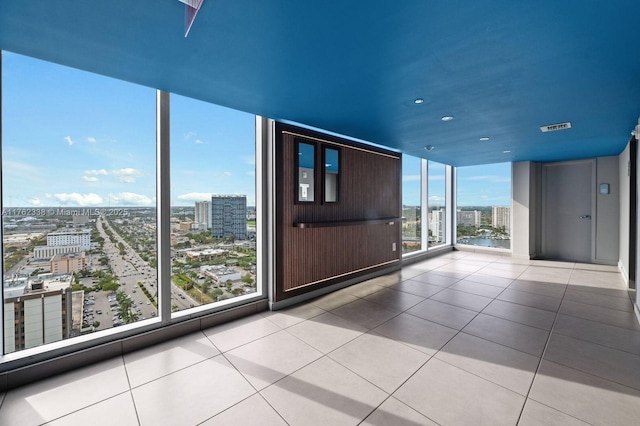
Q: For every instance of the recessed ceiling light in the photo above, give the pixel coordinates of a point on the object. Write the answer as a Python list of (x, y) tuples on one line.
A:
[(429, 147), (447, 118), (419, 101), (484, 139), (506, 151)]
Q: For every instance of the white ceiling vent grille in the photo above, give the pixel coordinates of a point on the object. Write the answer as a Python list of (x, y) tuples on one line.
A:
[(554, 127)]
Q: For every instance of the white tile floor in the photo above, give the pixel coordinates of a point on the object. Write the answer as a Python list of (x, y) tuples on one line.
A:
[(462, 339)]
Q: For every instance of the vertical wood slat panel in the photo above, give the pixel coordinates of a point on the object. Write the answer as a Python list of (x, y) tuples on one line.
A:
[(308, 258)]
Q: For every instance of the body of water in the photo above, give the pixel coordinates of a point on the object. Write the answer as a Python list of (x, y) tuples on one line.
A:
[(486, 242)]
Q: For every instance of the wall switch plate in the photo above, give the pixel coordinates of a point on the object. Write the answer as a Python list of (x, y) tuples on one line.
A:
[(393, 246)]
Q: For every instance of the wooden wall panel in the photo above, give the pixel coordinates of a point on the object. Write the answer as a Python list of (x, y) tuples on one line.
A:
[(370, 189)]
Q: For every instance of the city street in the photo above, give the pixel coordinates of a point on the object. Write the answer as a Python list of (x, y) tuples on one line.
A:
[(131, 269)]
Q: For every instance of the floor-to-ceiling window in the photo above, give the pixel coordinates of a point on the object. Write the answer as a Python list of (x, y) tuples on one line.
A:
[(213, 198), (411, 204), (78, 198), (437, 203), (484, 205), (81, 208)]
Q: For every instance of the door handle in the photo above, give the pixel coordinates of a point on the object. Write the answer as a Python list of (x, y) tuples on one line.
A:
[(586, 216)]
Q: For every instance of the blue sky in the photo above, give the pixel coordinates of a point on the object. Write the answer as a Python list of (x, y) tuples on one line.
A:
[(486, 185), (72, 138), (77, 139)]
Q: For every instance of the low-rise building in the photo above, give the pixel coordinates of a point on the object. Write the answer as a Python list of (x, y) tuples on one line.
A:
[(67, 263), (47, 252), (221, 273), (206, 254)]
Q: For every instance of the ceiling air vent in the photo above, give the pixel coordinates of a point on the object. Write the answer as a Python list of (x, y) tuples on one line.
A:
[(554, 127)]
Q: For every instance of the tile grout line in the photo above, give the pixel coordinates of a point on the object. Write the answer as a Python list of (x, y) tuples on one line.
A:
[(133, 400), (546, 345)]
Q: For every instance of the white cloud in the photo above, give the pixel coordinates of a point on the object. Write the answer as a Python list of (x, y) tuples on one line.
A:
[(436, 198), (195, 196), (35, 201), (227, 173), (48, 195), (411, 178), (89, 178), (199, 142), (189, 135), (69, 140), (127, 175), (251, 173), (90, 199), (102, 172), (490, 178), (250, 159), (91, 139), (129, 199)]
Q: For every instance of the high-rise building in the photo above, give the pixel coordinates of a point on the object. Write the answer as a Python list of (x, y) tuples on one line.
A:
[(203, 213), (469, 218), (39, 313), (501, 217), (229, 216), (436, 225)]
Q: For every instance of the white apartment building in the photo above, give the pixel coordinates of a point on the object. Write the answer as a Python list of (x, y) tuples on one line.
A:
[(501, 217), (469, 218), (70, 238), (436, 225), (203, 213)]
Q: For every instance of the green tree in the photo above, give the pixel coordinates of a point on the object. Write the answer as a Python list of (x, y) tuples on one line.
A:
[(112, 286)]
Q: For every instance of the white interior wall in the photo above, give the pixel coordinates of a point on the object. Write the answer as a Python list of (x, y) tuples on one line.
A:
[(526, 181), (623, 239), (608, 211), (521, 205)]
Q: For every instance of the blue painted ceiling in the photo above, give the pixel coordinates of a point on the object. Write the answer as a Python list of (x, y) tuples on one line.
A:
[(501, 68)]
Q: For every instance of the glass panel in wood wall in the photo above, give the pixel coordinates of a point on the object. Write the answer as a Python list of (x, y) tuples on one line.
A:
[(331, 175), (306, 162), (411, 204)]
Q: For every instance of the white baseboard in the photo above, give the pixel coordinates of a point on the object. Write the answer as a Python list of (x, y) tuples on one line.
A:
[(623, 272)]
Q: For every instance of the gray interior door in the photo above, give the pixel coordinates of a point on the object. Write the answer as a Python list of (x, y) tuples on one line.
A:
[(567, 222)]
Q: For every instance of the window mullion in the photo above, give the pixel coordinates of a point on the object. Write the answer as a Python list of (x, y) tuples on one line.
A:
[(163, 191)]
